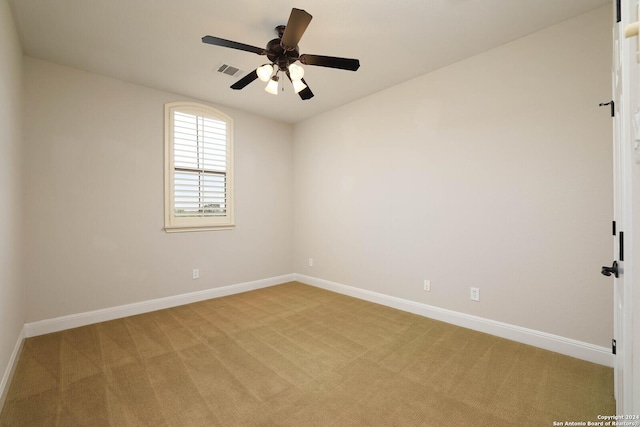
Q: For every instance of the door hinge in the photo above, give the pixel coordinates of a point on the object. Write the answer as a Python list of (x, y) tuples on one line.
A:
[(614, 228), (613, 107), (613, 346), (621, 246)]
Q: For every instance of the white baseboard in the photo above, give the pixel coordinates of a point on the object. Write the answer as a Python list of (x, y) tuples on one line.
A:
[(82, 319), (11, 367), (558, 344), (567, 346)]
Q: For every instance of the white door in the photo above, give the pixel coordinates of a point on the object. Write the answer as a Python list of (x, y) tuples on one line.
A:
[(627, 109)]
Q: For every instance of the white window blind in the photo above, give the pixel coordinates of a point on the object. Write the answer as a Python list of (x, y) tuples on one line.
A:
[(199, 153), (200, 164)]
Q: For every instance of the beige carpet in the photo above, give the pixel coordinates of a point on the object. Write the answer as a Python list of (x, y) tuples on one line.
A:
[(295, 355)]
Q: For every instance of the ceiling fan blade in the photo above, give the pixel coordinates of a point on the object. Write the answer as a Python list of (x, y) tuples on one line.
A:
[(296, 26), (306, 92), (331, 62), (240, 84), (233, 45)]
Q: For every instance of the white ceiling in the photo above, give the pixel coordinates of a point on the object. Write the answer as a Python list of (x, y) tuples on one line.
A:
[(157, 43)]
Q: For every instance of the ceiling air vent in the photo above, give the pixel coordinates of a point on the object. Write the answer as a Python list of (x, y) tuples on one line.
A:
[(230, 70)]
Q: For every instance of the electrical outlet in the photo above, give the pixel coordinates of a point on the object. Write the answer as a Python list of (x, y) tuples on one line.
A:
[(475, 294), (196, 274), (310, 262), (427, 285)]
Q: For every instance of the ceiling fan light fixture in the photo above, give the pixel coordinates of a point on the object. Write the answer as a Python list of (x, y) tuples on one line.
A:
[(264, 72), (272, 86), (298, 85), (296, 71)]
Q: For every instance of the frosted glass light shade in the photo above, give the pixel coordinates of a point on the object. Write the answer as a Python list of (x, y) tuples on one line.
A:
[(298, 85), (264, 72), (296, 72), (272, 86)]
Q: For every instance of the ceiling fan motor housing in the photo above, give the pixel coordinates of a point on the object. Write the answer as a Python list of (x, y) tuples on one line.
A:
[(280, 56)]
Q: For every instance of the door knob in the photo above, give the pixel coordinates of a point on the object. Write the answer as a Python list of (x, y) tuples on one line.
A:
[(607, 271), (631, 30)]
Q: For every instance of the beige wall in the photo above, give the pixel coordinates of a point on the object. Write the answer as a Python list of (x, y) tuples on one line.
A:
[(12, 312), (494, 172), (94, 198)]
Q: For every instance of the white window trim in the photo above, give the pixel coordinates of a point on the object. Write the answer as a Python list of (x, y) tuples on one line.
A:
[(172, 223)]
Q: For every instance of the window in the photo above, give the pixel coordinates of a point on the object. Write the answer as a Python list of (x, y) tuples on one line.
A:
[(198, 168)]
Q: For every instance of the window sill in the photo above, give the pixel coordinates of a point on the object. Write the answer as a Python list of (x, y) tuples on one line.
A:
[(186, 229)]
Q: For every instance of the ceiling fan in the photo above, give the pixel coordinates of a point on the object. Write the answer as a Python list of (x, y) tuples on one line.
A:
[(283, 52)]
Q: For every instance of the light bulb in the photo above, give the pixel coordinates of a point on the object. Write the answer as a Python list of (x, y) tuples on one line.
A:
[(298, 85), (264, 72), (295, 71), (272, 86)]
